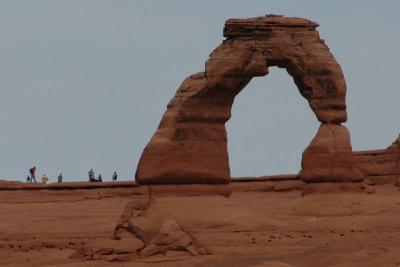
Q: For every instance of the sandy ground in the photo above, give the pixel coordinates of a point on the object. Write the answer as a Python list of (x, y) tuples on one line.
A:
[(242, 224)]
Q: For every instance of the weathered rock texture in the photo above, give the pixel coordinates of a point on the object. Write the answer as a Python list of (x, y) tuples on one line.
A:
[(200, 225), (190, 144), (380, 166), (155, 235), (329, 157)]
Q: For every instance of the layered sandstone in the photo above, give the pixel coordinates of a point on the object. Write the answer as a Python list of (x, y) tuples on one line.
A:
[(329, 157), (190, 144), (380, 166), (236, 224)]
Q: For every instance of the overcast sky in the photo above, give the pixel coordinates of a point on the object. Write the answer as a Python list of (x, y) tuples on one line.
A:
[(84, 83)]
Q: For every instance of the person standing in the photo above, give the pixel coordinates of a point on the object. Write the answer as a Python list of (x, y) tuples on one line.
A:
[(28, 179), (100, 179), (32, 173), (91, 176), (60, 178), (115, 176)]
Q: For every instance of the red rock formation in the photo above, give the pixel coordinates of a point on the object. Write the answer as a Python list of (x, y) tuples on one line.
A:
[(329, 157), (190, 144), (380, 166), (249, 225)]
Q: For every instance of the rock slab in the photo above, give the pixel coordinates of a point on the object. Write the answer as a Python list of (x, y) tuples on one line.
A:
[(329, 157), (380, 166)]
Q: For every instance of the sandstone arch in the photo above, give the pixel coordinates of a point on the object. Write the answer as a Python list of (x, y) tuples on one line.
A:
[(190, 144)]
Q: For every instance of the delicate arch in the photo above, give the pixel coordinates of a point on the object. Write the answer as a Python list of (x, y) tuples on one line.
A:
[(190, 144)]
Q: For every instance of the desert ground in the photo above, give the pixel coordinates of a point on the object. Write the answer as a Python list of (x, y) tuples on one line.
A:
[(245, 223)]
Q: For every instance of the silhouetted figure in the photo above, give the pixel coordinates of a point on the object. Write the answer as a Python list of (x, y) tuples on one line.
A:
[(91, 176), (60, 178), (99, 178), (28, 179), (115, 176), (32, 173), (45, 179)]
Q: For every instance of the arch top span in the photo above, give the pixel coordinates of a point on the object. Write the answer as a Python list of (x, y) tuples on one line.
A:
[(294, 44), (190, 144), (258, 26)]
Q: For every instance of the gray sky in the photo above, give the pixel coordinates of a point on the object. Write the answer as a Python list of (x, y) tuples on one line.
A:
[(84, 83)]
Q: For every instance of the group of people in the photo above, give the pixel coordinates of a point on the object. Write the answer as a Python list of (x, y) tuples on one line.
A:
[(92, 176), (32, 176)]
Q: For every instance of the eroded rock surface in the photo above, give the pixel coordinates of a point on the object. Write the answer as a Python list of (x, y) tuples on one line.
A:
[(190, 144), (380, 166), (171, 239), (140, 233), (329, 157), (251, 226)]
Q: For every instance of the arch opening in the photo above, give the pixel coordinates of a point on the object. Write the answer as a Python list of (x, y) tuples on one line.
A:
[(269, 127)]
